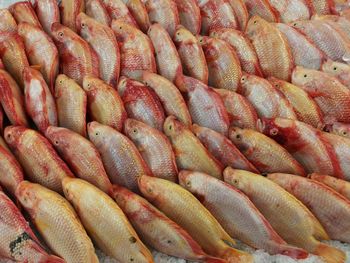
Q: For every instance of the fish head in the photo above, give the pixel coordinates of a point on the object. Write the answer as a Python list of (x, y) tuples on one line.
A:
[(91, 82), (335, 68), (98, 133), (279, 129), (342, 129), (302, 77), (148, 186), (254, 26), (122, 30), (172, 127), (61, 82), (121, 195), (133, 129), (26, 194), (299, 25), (204, 41), (192, 181), (59, 32), (240, 138), (71, 189), (83, 25), (246, 80), (277, 83), (56, 135), (183, 35), (238, 178), (13, 134), (198, 130)]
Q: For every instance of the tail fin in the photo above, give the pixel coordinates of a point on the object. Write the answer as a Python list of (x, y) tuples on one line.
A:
[(293, 252), (330, 254), (232, 255), (52, 259), (210, 259)]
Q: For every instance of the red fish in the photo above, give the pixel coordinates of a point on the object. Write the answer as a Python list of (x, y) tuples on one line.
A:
[(48, 13), (241, 13), (291, 10), (263, 9), (138, 10), (69, 12), (190, 15), (118, 10), (23, 12)]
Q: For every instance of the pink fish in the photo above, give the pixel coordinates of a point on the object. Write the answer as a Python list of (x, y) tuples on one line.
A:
[(339, 70), (339, 128), (7, 23), (190, 15), (23, 12), (48, 13), (291, 10), (241, 13), (138, 10), (263, 9), (118, 10), (323, 7), (96, 9), (69, 12), (339, 185)]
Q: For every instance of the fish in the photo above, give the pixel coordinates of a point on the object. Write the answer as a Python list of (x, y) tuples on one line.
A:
[(330, 95), (287, 215), (222, 148), (81, 156), (1, 119), (136, 50), (190, 153), (184, 209), (19, 243), (8, 22), (190, 15), (323, 7), (53, 215), (39, 102), (148, 220), (305, 52), (305, 143), (241, 13), (339, 185), (138, 11), (104, 103), (48, 13), (191, 54), (216, 14), (37, 156), (243, 48), (118, 10), (10, 170), (164, 13), (71, 103), (40, 51), (69, 10), (199, 96), (339, 23), (263, 9), (13, 56), (291, 10), (339, 70), (332, 42), (268, 101), (223, 64), (264, 153), (330, 207), (339, 128), (77, 58), (237, 214), (102, 40), (155, 149), (167, 58), (121, 159), (274, 53), (93, 204), (141, 103), (23, 12), (241, 113), (12, 100), (346, 14), (169, 95), (303, 105), (96, 9)]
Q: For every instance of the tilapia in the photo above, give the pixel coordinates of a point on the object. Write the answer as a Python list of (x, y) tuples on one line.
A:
[(138, 11), (189, 151), (190, 15), (291, 10), (39, 102), (69, 12), (38, 158), (52, 216), (339, 128), (81, 155), (7, 23), (237, 214), (48, 13), (122, 160), (23, 12), (71, 102), (241, 13), (339, 23), (119, 240), (263, 9), (77, 58), (339, 70), (323, 7), (102, 40), (154, 147), (118, 10), (339, 185), (97, 10)]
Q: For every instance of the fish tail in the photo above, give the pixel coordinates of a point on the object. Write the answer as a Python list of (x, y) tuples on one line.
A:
[(232, 255), (330, 254), (293, 252)]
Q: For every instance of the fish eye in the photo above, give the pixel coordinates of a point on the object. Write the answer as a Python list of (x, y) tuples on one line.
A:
[(243, 79), (255, 22), (8, 136), (60, 34), (295, 24), (335, 68), (131, 259), (134, 131), (170, 127), (60, 82), (238, 136), (82, 25), (188, 183), (178, 33), (132, 240), (149, 190), (56, 142), (201, 40), (120, 27), (345, 133), (305, 76), (274, 132), (235, 181), (97, 133)]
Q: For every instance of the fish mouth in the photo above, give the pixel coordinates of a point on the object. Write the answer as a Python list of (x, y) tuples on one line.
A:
[(260, 125)]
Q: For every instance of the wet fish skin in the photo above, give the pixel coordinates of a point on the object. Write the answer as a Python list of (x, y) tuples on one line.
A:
[(241, 13), (191, 54), (41, 51), (104, 103), (291, 10), (240, 111), (23, 12), (136, 50), (331, 96), (263, 9), (330, 207), (8, 23), (138, 11), (48, 13), (339, 128), (77, 58), (243, 48), (304, 106), (339, 185), (97, 10), (222, 148), (154, 147), (141, 103), (118, 10), (14, 227), (39, 102), (81, 155), (169, 95), (339, 70), (122, 160), (264, 153), (92, 204), (237, 214), (37, 156), (69, 10), (189, 152), (102, 40), (277, 61), (71, 103), (190, 15), (53, 215), (12, 100)]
